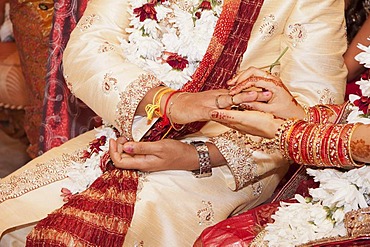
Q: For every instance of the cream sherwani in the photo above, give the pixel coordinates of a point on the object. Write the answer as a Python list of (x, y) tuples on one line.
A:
[(173, 207)]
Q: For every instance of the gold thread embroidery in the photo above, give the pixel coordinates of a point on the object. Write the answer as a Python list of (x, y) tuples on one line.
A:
[(268, 27), (88, 21), (239, 158), (43, 174), (297, 33), (109, 83), (326, 97), (130, 99), (105, 47), (206, 215)]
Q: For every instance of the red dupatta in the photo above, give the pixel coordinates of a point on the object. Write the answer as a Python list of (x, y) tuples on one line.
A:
[(102, 214)]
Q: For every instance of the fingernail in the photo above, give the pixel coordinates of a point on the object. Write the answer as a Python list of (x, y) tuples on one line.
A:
[(128, 148)]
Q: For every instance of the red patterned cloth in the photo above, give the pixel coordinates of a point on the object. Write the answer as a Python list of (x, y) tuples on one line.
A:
[(64, 116), (32, 39), (239, 230)]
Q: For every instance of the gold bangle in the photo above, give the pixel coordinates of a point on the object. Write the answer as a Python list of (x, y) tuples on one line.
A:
[(169, 114)]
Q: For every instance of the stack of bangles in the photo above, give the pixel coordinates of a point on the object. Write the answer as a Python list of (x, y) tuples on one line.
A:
[(323, 145)]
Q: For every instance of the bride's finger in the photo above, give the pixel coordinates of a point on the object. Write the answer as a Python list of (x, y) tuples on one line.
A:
[(250, 72)]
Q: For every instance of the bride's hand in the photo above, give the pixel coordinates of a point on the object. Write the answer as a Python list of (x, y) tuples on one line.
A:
[(281, 104), (250, 122)]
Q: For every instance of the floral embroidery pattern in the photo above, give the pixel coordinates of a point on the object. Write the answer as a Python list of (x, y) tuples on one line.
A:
[(326, 97), (88, 22), (206, 214), (105, 47), (109, 83), (297, 33), (239, 158), (268, 27), (43, 174), (130, 99)]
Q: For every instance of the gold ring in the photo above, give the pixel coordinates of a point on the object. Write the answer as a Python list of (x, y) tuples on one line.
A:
[(216, 101)]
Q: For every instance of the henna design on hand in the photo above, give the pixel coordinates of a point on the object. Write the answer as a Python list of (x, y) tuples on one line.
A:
[(360, 149), (221, 116)]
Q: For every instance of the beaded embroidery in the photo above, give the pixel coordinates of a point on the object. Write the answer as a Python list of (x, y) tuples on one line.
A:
[(43, 174), (109, 83), (239, 158), (268, 27), (297, 33), (88, 22), (206, 215), (326, 97), (129, 101), (105, 47)]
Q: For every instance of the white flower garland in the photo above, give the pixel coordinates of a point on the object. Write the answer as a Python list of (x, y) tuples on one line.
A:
[(169, 30), (81, 176), (339, 192)]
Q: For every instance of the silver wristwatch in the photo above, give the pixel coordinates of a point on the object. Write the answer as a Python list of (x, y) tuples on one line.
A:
[(205, 167)]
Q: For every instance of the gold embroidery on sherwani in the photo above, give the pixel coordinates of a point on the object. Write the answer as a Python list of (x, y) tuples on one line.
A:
[(238, 155), (268, 27), (87, 22), (297, 33), (129, 101), (109, 83), (43, 174), (206, 215), (326, 97), (105, 47)]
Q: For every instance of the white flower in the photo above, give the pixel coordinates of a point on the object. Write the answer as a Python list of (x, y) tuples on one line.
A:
[(364, 87), (176, 30), (364, 57), (292, 227), (356, 116), (82, 175)]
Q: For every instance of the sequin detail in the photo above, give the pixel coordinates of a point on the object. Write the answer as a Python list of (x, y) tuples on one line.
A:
[(43, 174), (268, 27), (105, 47), (233, 146), (129, 101), (326, 97), (87, 22), (297, 33), (206, 215), (109, 83)]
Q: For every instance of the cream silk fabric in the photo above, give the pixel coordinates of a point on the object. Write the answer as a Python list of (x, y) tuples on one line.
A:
[(171, 205)]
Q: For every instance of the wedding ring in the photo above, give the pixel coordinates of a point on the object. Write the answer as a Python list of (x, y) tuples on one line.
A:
[(216, 101)]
